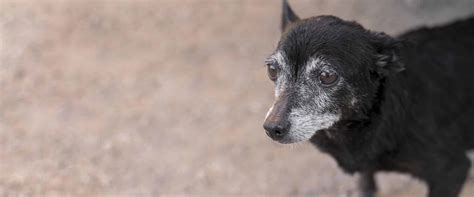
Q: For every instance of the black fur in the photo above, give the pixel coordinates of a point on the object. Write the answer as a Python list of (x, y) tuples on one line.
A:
[(415, 98), (288, 16)]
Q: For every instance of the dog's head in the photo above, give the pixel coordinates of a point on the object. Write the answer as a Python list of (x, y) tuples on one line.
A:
[(326, 71)]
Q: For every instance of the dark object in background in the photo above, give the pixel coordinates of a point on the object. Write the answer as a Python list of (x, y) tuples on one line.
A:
[(377, 103)]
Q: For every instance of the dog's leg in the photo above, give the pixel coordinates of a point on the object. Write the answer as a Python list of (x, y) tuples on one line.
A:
[(366, 183), (447, 180)]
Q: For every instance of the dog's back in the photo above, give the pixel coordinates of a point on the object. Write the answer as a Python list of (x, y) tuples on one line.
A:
[(440, 82)]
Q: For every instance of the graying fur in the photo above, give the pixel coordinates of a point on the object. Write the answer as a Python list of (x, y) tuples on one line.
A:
[(310, 114)]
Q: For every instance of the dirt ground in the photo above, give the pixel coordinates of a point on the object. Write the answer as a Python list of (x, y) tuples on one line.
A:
[(166, 98)]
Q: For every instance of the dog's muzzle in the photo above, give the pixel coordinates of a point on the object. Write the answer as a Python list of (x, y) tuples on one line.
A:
[(276, 124)]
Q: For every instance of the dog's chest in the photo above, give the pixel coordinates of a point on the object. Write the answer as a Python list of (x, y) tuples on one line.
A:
[(350, 154)]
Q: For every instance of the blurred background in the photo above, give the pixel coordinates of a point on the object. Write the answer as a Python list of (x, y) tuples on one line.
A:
[(166, 98)]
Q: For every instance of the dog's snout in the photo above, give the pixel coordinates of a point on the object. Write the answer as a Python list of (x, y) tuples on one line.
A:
[(276, 130), (276, 123)]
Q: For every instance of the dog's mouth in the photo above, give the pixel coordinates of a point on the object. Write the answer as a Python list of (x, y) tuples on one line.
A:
[(287, 140), (309, 135), (299, 125), (291, 138)]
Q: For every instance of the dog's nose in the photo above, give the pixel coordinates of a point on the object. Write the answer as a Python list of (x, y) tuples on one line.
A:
[(276, 130)]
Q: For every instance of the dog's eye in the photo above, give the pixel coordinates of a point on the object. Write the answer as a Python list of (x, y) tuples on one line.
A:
[(272, 70), (328, 78)]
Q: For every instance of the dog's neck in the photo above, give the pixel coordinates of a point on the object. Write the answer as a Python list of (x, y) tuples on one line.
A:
[(353, 142)]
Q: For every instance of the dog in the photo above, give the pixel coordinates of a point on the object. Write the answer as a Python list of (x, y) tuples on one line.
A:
[(376, 102)]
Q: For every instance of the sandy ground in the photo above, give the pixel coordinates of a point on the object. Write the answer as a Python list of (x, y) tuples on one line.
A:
[(165, 98)]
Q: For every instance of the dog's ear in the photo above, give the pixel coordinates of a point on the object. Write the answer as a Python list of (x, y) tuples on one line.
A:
[(387, 57), (287, 16)]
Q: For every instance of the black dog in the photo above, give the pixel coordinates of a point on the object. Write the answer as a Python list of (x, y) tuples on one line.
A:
[(375, 102)]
